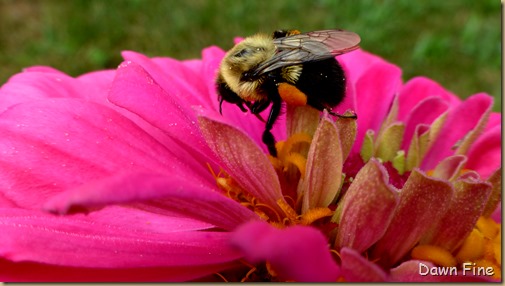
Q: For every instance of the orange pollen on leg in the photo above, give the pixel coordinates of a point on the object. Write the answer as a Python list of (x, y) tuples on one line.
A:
[(291, 94)]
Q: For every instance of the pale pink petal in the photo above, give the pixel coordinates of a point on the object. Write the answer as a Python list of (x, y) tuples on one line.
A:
[(423, 200), (355, 268), (485, 154), (53, 145), (298, 253), (463, 119), (178, 194), (242, 158), (73, 241), (466, 207), (449, 168), (323, 175), (368, 207), (417, 90), (375, 91)]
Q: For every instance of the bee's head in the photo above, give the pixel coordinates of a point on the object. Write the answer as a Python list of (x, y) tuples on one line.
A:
[(248, 54)]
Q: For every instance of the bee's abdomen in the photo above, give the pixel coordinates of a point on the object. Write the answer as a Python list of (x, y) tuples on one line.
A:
[(323, 82)]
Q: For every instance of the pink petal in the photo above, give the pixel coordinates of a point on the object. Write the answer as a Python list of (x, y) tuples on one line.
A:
[(355, 268), (419, 89), (78, 242), (375, 91), (298, 253), (418, 271), (323, 176), (358, 62), (179, 195), (169, 77), (463, 119), (485, 154), (135, 89), (211, 59), (33, 85), (52, 145), (423, 200), (242, 159), (466, 207), (368, 208), (40, 272), (425, 112)]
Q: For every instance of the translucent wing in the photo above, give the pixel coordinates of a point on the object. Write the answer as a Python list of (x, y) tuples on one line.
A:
[(308, 47)]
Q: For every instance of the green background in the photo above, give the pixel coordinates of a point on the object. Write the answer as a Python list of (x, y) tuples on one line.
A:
[(455, 42)]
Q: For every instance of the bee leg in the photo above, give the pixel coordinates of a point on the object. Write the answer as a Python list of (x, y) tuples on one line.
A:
[(268, 137), (352, 116)]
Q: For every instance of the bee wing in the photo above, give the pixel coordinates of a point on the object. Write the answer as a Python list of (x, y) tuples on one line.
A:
[(308, 47)]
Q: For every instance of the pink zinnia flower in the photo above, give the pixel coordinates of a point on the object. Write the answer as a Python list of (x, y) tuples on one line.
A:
[(174, 191)]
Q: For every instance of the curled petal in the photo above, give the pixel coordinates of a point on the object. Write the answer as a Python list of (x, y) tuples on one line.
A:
[(324, 167), (368, 208), (422, 201), (449, 168), (466, 206), (298, 253), (425, 112)]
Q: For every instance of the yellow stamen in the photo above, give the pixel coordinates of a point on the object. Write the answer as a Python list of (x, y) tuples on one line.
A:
[(291, 141), (434, 254), (488, 227), (314, 214), (472, 248), (299, 161), (291, 214)]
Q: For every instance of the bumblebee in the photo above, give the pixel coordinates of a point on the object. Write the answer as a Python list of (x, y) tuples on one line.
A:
[(287, 66)]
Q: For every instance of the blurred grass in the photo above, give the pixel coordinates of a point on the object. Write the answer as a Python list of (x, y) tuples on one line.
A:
[(456, 43)]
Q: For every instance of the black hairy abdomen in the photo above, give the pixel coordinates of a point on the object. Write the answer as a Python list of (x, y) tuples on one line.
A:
[(323, 82)]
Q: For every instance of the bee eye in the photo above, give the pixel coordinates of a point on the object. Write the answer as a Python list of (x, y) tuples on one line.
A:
[(241, 53)]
